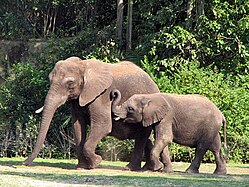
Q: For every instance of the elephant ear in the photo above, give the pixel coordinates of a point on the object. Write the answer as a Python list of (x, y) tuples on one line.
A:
[(97, 78), (155, 109)]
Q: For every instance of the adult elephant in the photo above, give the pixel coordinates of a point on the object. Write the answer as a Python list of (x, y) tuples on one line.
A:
[(88, 85)]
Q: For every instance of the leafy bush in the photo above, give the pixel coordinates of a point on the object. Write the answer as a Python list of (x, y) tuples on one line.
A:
[(113, 149), (224, 37), (19, 100)]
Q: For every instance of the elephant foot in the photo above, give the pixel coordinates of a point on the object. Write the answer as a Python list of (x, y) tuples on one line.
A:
[(191, 170), (84, 165), (93, 163), (147, 166), (131, 167), (158, 166), (167, 169), (222, 171), (81, 166), (96, 161)]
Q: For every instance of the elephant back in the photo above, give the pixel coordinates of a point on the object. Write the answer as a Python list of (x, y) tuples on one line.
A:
[(129, 79)]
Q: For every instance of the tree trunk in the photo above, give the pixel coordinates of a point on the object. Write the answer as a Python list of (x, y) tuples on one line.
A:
[(46, 22), (199, 11), (55, 17), (129, 25), (189, 19), (120, 10)]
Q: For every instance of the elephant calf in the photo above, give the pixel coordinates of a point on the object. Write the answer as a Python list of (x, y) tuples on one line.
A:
[(189, 120)]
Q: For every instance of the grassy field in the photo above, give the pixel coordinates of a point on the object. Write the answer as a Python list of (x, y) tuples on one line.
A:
[(61, 173)]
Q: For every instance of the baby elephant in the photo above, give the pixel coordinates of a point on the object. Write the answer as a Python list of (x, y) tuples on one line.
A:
[(189, 120)]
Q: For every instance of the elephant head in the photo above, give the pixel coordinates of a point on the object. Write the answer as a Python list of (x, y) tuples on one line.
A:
[(72, 78), (145, 108)]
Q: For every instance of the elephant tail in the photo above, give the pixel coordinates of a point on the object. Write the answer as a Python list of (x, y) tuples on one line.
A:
[(225, 137)]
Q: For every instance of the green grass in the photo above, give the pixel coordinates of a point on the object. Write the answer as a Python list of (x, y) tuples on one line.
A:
[(53, 172)]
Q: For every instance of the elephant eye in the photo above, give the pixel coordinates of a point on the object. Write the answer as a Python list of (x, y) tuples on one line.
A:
[(70, 84), (130, 109)]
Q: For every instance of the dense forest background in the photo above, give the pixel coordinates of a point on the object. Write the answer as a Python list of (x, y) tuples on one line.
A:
[(186, 46)]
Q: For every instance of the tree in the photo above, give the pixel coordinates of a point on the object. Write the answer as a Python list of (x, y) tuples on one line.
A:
[(49, 17), (129, 25), (189, 19), (199, 10), (119, 24)]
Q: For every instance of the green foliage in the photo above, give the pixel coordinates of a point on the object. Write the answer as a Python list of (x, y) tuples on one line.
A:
[(87, 46), (22, 94), (225, 37), (19, 100), (23, 19), (220, 41), (156, 14), (224, 44), (113, 149), (106, 52)]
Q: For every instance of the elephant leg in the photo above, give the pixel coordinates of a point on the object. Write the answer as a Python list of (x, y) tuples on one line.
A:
[(137, 154), (155, 155), (219, 158), (101, 125), (166, 160), (95, 135), (147, 151), (199, 154), (163, 136), (79, 126)]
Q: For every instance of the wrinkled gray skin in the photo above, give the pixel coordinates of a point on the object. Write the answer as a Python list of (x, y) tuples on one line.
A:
[(87, 84), (189, 120)]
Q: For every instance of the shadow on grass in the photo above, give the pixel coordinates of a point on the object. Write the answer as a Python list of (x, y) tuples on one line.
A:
[(61, 165), (243, 166), (124, 180)]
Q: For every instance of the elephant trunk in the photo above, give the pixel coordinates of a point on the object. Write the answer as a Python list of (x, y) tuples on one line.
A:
[(50, 106)]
